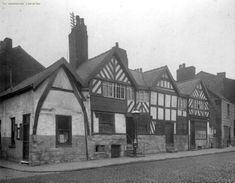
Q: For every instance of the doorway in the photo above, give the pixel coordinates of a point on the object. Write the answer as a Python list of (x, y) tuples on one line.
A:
[(192, 135), (26, 127), (169, 132), (130, 130)]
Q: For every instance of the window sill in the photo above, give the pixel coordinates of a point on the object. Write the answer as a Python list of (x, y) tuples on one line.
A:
[(63, 145)]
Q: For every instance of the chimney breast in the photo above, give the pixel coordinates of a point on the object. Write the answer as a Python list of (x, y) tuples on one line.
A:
[(221, 74), (185, 73)]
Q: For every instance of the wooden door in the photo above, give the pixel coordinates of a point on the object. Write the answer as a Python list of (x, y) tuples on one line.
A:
[(169, 132), (130, 130), (26, 127), (192, 135), (115, 150)]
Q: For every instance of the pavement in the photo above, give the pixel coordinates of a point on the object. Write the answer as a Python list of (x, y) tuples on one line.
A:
[(83, 165)]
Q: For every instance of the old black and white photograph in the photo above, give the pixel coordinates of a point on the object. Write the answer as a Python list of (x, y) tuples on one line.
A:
[(117, 91)]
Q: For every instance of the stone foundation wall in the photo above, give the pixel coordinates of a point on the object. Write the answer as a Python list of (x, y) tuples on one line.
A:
[(181, 142), (107, 141), (44, 150), (150, 144)]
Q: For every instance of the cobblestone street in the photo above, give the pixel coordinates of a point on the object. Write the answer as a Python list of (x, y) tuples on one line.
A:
[(207, 168)]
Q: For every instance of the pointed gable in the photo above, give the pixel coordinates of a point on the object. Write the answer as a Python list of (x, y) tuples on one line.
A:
[(110, 65), (112, 70), (62, 81)]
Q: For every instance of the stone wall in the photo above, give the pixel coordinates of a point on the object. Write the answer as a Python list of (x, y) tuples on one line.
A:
[(107, 141), (150, 144), (181, 142), (44, 150)]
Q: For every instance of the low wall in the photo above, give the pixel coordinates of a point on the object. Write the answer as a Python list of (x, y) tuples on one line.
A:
[(107, 141), (150, 144), (181, 142), (44, 150)]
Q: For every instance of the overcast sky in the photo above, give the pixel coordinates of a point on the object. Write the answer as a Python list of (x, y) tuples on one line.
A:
[(154, 32)]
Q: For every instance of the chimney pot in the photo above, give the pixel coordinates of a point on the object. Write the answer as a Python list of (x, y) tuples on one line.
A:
[(82, 21), (78, 20), (183, 65), (117, 45)]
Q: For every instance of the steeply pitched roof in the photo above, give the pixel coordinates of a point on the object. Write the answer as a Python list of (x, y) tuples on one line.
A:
[(187, 87), (222, 87), (149, 78), (34, 81), (92, 66), (139, 78)]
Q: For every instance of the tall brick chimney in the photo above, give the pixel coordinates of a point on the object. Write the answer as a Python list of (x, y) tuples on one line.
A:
[(78, 43), (185, 73)]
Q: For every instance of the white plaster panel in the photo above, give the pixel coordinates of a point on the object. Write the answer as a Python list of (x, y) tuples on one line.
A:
[(167, 100), (120, 123), (46, 124), (95, 124), (167, 114), (78, 127), (154, 98), (62, 81), (153, 112), (160, 99), (160, 113)]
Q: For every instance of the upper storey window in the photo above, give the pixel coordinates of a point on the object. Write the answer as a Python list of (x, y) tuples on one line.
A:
[(113, 90), (165, 82)]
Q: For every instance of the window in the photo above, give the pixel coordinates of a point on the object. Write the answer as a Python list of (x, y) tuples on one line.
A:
[(130, 93), (113, 90), (100, 148), (63, 130), (228, 110), (119, 91), (160, 99), (106, 123), (108, 89), (13, 132)]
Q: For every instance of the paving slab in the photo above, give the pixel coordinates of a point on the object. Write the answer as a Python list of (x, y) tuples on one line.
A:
[(82, 165)]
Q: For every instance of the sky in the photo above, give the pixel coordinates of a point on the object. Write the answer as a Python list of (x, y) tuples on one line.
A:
[(154, 33)]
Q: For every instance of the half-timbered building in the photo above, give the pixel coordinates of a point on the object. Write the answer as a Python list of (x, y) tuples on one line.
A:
[(194, 122)]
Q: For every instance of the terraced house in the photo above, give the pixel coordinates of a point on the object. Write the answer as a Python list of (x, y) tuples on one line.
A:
[(99, 108)]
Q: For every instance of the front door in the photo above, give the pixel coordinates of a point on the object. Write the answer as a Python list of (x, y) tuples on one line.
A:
[(169, 132), (26, 123), (130, 130), (192, 135)]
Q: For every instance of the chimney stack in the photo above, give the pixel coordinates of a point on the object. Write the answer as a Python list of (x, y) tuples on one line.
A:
[(185, 73), (78, 43), (221, 74)]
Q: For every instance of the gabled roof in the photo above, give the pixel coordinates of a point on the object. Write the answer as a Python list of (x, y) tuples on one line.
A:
[(34, 81), (222, 87), (149, 78), (91, 67), (187, 87)]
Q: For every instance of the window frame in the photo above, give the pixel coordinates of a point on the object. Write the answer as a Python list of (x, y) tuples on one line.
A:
[(69, 143), (101, 129)]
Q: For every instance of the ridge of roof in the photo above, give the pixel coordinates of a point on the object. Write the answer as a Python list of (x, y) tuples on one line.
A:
[(155, 69)]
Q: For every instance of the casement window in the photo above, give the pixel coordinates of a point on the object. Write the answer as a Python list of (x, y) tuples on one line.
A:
[(106, 122), (119, 91), (130, 93), (142, 96), (12, 132), (113, 90), (63, 130)]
